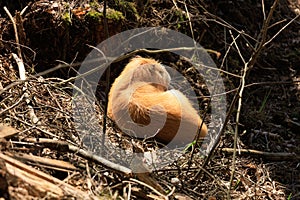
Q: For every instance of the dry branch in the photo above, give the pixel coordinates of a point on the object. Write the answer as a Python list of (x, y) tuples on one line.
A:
[(59, 145), (46, 162), (274, 156), (15, 30)]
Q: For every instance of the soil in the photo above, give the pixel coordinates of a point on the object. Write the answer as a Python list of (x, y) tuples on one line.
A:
[(38, 129)]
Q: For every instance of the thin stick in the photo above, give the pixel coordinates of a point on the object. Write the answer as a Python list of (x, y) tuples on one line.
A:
[(107, 79), (22, 72), (66, 146), (263, 8), (263, 35), (15, 30), (148, 186), (189, 19), (12, 106), (236, 126), (270, 40), (280, 156), (248, 66)]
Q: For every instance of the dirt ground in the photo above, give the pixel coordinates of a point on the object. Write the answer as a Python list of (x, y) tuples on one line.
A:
[(42, 155)]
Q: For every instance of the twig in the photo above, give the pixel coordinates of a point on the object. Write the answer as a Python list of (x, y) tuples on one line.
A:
[(275, 156), (227, 51), (15, 30), (230, 110), (250, 63), (101, 160), (240, 95), (257, 84), (247, 68), (64, 146), (21, 45), (118, 59), (23, 10), (12, 106), (175, 4), (221, 185), (150, 187), (234, 39), (46, 162), (22, 74), (228, 114), (107, 74), (34, 126), (262, 36), (263, 8), (270, 40), (189, 19), (223, 23)]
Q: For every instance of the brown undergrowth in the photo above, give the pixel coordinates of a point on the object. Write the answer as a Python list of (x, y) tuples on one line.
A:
[(42, 153)]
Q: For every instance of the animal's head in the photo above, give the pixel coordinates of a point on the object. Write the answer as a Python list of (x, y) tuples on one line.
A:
[(149, 71)]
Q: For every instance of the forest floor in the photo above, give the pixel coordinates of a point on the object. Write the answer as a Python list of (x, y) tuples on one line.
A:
[(43, 155)]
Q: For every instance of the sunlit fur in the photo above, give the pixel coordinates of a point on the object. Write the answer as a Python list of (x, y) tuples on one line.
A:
[(142, 90)]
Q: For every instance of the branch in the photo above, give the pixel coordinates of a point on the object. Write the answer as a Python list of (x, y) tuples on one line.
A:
[(64, 146), (15, 30), (275, 156)]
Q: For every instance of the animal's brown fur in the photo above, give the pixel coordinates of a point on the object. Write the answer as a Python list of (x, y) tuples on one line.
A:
[(140, 95)]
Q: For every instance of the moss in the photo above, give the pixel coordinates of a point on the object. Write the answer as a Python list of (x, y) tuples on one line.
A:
[(127, 7), (94, 15), (114, 15), (181, 16), (111, 14), (94, 4), (66, 17)]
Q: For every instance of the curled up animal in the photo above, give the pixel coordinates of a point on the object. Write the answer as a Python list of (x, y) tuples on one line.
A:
[(142, 104)]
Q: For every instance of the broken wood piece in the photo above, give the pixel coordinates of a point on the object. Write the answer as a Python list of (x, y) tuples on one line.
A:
[(46, 162), (40, 181), (7, 131)]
